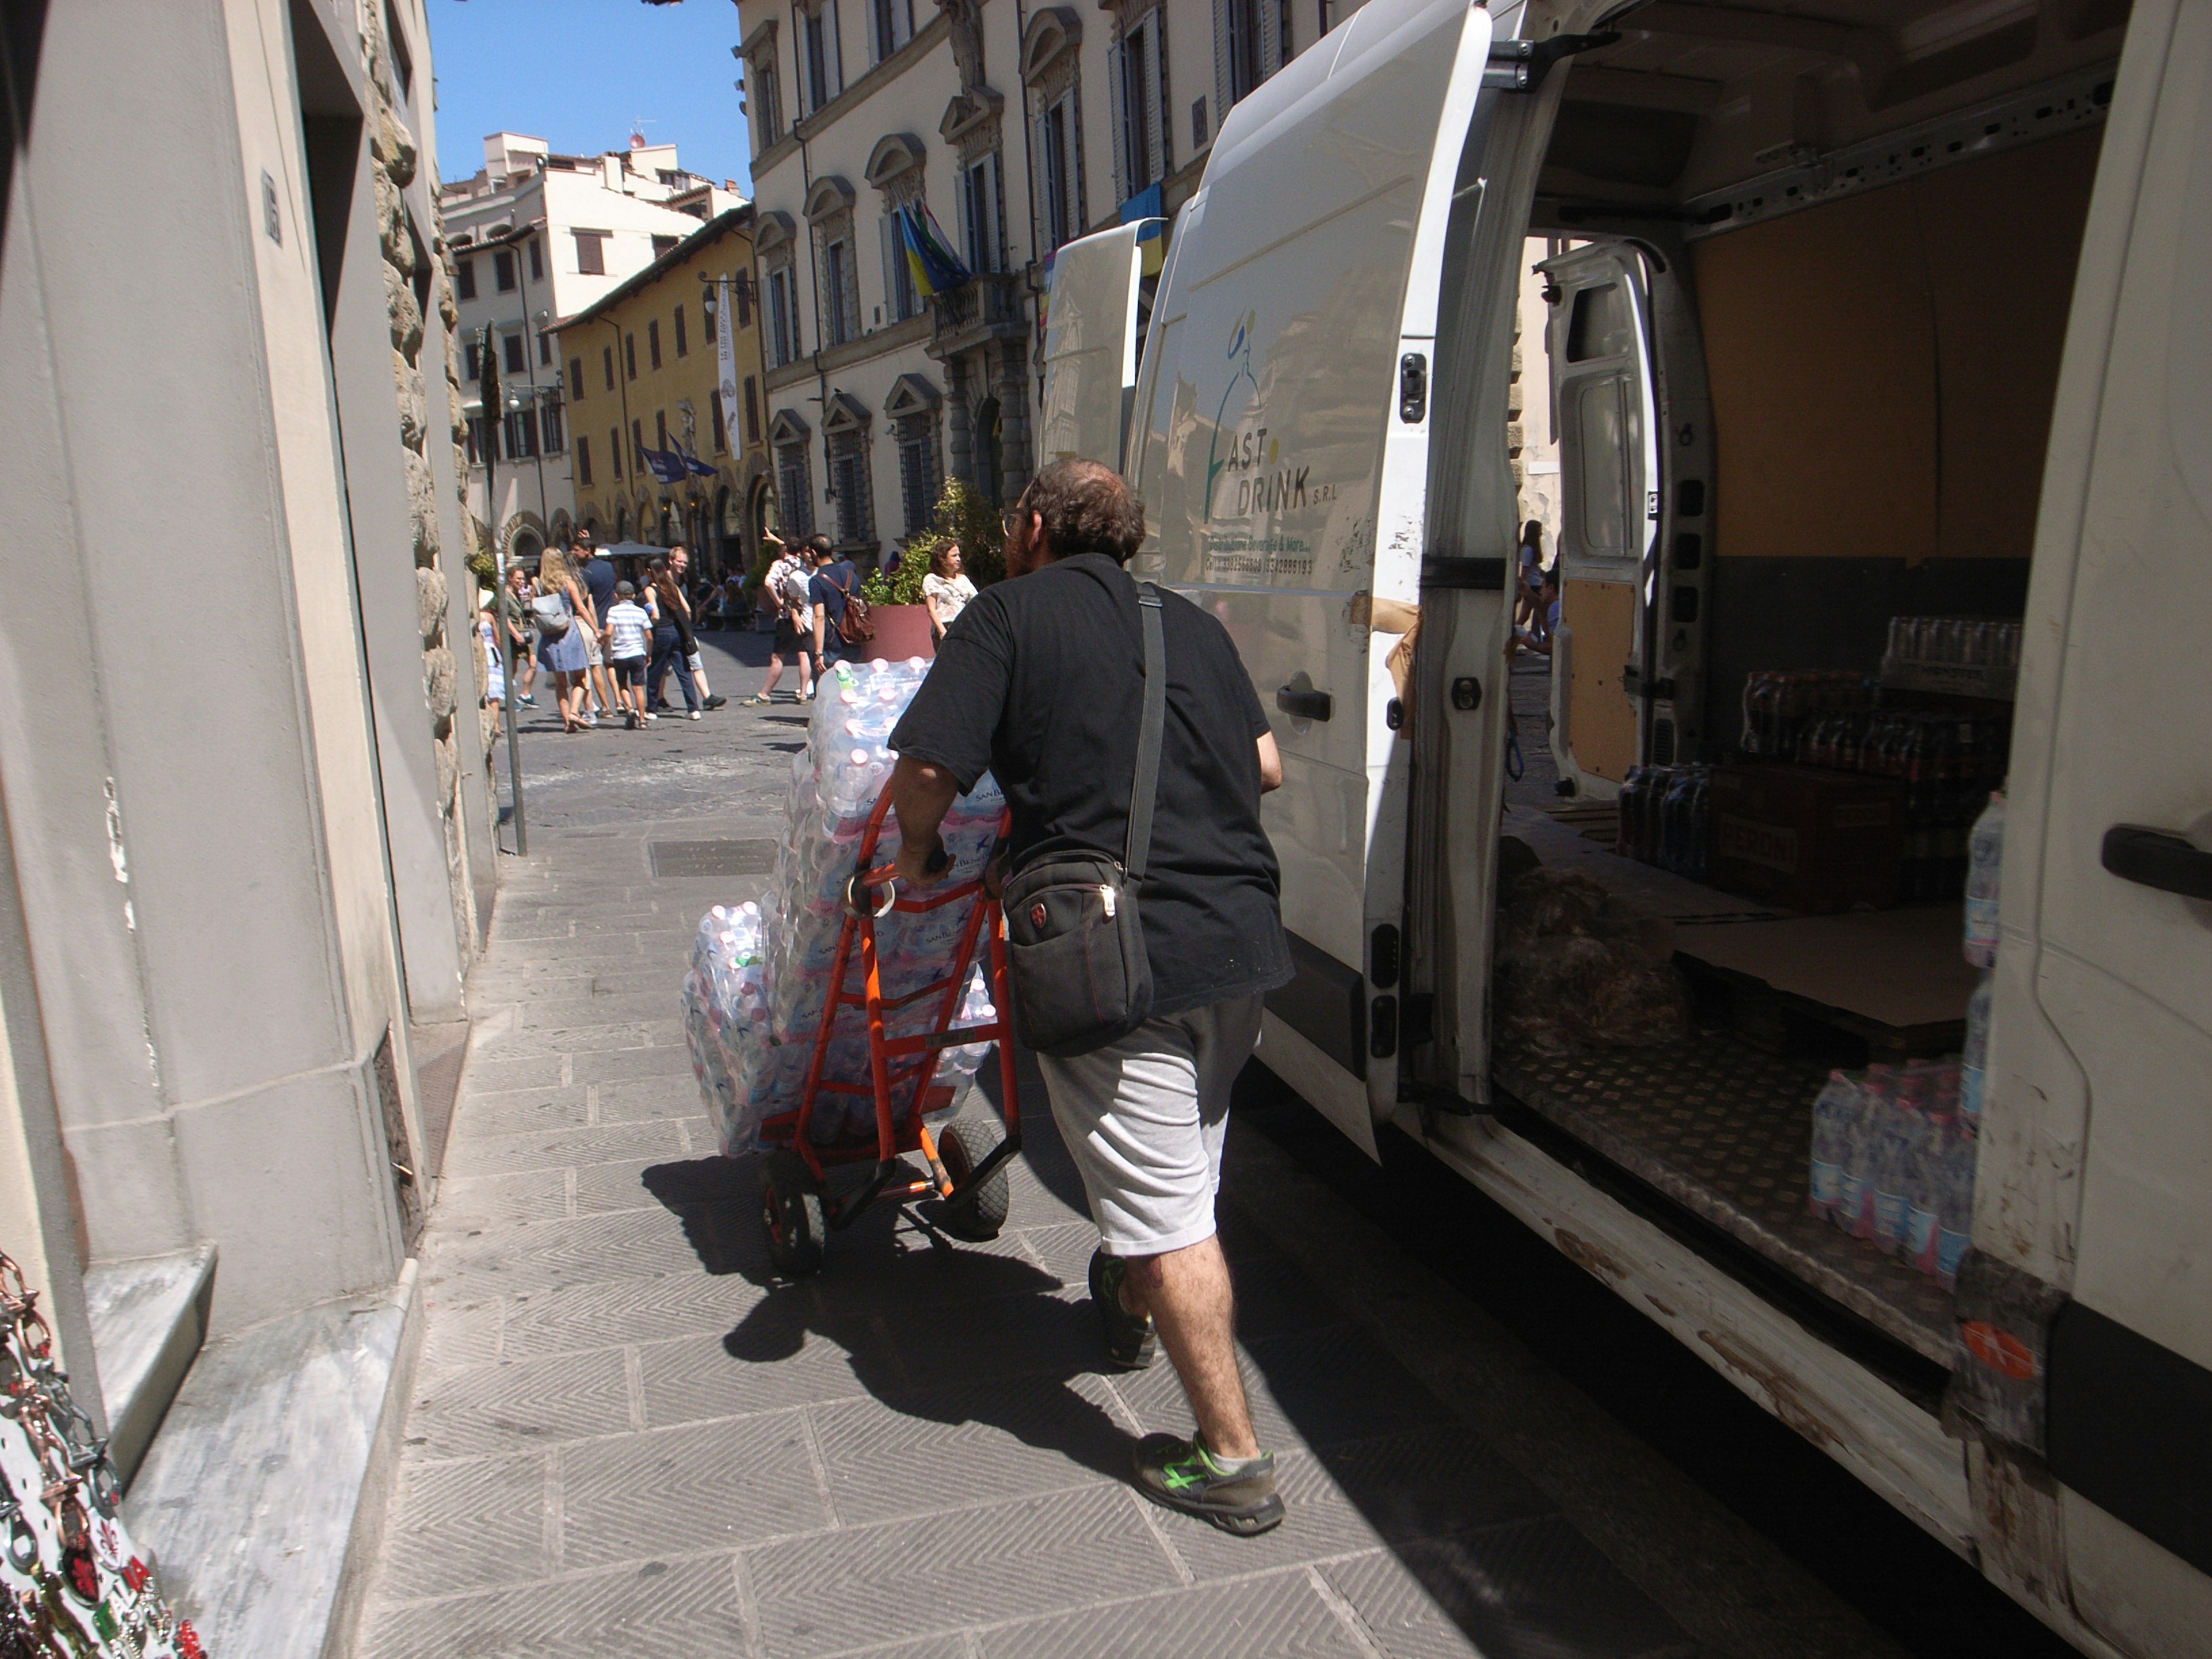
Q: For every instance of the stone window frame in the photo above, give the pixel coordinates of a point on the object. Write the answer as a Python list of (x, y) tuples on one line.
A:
[(790, 439), (1052, 80), (764, 90), (805, 13), (776, 244), (972, 127), (1270, 23), (901, 15), (830, 215), (897, 168), (915, 412), (847, 434), (1129, 17)]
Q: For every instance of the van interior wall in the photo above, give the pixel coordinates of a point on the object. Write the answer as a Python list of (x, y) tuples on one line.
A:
[(1882, 370)]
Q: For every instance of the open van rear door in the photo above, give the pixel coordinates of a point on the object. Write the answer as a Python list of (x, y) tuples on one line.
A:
[(1598, 339), (1091, 346), (1282, 449)]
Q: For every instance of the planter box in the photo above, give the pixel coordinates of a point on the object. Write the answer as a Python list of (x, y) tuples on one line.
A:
[(902, 631)]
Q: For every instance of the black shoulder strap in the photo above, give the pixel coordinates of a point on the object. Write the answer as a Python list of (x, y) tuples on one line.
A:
[(1144, 789)]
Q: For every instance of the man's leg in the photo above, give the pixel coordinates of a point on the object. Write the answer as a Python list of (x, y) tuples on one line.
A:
[(1144, 1119), (1187, 1293)]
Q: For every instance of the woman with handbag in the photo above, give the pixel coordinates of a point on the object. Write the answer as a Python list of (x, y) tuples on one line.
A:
[(668, 640), (561, 611)]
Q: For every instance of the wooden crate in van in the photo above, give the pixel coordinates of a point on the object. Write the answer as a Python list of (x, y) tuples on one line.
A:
[(1806, 839)]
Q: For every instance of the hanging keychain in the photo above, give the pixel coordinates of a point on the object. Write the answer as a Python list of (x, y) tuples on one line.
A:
[(72, 1586)]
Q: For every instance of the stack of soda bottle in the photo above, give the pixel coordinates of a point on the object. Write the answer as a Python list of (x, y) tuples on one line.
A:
[(1966, 641), (1778, 704), (1948, 764), (1664, 818)]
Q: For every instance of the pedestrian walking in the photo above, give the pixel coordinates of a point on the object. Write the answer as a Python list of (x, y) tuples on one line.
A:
[(828, 592), (561, 612), (494, 669), (630, 634), (670, 629), (679, 566), (1043, 681), (598, 574), (784, 590), (945, 590), (1528, 607), (515, 621)]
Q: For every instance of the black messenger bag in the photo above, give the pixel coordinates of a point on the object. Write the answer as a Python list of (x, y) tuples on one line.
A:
[(1075, 944)]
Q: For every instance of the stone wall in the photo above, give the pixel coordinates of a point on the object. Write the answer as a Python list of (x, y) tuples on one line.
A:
[(410, 272)]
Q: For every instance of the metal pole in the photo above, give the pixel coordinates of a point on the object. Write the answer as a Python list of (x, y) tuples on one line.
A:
[(488, 396)]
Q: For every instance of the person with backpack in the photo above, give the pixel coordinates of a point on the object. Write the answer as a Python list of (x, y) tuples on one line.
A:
[(783, 595), (562, 612), (841, 615)]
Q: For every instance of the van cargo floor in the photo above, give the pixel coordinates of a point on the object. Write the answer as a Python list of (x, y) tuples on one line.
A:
[(1724, 1131)]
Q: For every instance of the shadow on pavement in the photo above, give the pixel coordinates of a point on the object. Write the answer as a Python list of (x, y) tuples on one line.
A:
[(1412, 1517)]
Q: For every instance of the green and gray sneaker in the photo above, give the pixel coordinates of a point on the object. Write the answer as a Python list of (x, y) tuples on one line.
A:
[(1182, 1474), (1131, 1342)]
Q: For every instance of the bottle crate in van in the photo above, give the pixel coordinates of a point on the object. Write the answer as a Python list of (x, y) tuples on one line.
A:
[(1806, 839)]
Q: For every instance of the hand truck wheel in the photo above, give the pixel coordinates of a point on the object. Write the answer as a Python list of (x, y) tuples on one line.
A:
[(791, 1215), (975, 1216)]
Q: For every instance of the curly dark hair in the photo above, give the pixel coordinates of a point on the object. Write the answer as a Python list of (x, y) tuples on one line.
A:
[(1087, 507)]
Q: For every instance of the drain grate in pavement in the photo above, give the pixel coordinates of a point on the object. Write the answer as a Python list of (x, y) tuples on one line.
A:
[(712, 858)]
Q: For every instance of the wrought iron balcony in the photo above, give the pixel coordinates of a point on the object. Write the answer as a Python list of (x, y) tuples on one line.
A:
[(987, 307)]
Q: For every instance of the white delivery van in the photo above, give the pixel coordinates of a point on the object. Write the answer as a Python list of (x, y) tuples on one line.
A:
[(1890, 310)]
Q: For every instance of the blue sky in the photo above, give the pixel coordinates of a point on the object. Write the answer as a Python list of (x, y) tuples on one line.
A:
[(578, 73)]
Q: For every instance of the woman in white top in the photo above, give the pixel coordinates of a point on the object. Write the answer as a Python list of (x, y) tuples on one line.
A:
[(945, 590)]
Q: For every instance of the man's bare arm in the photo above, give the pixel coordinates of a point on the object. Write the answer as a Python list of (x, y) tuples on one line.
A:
[(1271, 763), (922, 795)]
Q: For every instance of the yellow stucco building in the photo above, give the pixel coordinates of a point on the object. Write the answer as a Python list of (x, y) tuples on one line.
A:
[(641, 365)]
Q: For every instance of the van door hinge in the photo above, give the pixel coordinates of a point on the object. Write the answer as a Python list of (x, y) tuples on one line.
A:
[(1634, 683), (1521, 65)]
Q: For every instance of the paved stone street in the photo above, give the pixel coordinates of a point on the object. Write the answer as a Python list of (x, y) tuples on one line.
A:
[(626, 1437)]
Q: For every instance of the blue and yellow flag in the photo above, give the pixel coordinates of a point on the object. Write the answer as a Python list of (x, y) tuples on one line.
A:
[(929, 258)]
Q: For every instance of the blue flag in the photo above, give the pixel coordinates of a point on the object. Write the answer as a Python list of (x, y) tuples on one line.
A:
[(664, 465)]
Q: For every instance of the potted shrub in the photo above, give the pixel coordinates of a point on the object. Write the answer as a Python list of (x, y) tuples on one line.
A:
[(895, 607), (962, 515)]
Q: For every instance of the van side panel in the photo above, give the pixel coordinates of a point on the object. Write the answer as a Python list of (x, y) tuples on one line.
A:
[(1909, 338), (1599, 621)]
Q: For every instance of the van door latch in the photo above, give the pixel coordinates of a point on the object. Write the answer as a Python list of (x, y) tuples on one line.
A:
[(1412, 387), (1521, 65)]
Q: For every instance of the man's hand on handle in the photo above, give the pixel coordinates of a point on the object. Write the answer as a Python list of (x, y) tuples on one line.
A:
[(922, 795)]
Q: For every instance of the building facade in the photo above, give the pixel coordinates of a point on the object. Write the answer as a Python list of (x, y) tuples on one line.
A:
[(247, 843), (641, 369), (1018, 129), (538, 237)]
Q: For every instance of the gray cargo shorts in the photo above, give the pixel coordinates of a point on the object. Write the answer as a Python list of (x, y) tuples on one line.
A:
[(1144, 1118)]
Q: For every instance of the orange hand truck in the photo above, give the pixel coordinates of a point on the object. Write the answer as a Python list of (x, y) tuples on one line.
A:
[(967, 1171)]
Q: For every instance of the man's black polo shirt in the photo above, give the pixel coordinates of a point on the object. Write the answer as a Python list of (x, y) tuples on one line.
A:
[(1041, 680)]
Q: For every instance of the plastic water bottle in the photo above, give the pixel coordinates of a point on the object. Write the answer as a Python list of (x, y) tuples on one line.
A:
[(1834, 1112), (1955, 1216), (1985, 862), (1854, 1210), (1902, 1130), (1973, 1065), (1923, 1217)]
